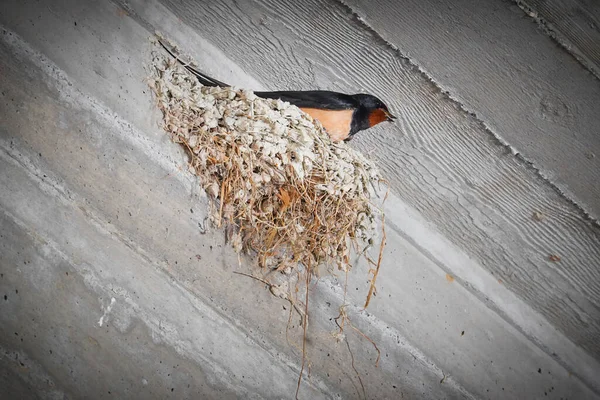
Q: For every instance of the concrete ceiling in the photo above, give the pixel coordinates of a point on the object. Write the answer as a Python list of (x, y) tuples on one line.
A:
[(113, 285)]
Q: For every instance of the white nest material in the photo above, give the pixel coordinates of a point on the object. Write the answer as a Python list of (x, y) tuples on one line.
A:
[(291, 194)]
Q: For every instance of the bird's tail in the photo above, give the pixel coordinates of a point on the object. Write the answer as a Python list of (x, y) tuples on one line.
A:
[(202, 78)]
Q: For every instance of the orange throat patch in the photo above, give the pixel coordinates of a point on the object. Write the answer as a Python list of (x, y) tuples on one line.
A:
[(377, 116), (337, 123)]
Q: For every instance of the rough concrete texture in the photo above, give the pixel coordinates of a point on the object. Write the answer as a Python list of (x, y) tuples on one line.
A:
[(535, 98), (113, 286), (574, 24), (440, 160)]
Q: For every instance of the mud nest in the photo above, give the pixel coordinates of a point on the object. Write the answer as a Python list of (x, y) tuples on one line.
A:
[(284, 190)]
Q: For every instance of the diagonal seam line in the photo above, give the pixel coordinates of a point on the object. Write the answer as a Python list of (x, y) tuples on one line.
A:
[(528, 164)]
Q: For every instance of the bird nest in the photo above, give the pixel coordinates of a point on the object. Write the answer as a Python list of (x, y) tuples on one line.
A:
[(287, 193)]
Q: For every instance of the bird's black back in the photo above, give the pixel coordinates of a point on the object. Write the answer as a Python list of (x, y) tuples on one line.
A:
[(362, 104), (321, 99)]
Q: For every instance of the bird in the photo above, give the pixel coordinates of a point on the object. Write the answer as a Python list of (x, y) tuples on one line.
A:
[(342, 115)]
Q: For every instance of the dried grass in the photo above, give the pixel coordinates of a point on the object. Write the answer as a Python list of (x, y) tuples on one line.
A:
[(291, 195), (286, 193)]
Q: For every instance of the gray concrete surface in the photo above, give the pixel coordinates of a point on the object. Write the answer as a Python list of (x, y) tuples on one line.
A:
[(574, 24), (111, 285), (442, 161), (500, 66)]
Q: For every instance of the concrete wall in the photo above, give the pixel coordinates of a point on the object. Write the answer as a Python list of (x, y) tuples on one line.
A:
[(113, 285)]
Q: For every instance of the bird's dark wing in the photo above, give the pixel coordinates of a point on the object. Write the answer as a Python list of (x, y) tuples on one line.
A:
[(202, 78), (205, 79), (320, 99)]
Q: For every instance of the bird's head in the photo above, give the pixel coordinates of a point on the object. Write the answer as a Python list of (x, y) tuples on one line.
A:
[(376, 110)]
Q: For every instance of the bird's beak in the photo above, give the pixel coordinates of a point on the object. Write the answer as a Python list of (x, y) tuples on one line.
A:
[(389, 116)]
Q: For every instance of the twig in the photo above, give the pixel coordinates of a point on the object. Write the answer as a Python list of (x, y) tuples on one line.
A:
[(254, 277), (307, 272), (222, 201), (344, 316), (381, 247), (266, 282), (370, 340), (355, 370)]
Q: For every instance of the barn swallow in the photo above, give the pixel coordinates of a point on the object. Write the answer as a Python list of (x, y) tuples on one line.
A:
[(342, 115)]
